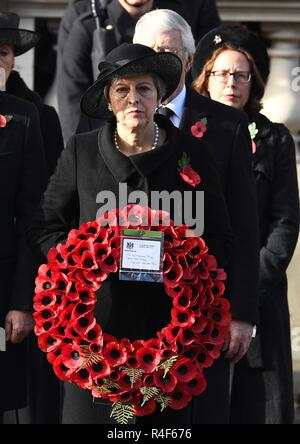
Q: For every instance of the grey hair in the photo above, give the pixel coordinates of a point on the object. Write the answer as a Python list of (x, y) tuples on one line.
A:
[(164, 20), (158, 82)]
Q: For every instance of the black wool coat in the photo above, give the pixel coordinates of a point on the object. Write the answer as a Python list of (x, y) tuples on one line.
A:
[(49, 121), (270, 353), (90, 164), (75, 46), (22, 180)]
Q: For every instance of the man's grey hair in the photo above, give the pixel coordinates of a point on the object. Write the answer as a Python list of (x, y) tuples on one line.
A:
[(164, 20)]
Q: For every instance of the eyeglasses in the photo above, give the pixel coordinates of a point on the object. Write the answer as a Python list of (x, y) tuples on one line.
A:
[(239, 76)]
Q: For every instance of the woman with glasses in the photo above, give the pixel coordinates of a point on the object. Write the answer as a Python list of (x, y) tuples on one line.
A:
[(231, 66)]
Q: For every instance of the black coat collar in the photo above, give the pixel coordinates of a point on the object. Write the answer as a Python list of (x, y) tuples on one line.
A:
[(123, 167)]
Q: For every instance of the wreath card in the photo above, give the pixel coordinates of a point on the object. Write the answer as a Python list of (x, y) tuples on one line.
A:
[(142, 255)]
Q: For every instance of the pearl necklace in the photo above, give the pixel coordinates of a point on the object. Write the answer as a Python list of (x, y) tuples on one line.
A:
[(156, 138)]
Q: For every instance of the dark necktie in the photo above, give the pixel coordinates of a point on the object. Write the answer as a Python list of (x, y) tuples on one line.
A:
[(165, 111)]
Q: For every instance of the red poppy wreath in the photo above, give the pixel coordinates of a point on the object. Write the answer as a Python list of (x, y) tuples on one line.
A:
[(137, 377)]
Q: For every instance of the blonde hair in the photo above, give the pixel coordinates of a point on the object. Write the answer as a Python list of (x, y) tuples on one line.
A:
[(254, 104)]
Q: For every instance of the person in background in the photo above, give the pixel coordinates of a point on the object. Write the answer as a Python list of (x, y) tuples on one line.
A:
[(14, 42), (43, 387), (22, 180), (83, 43), (231, 66), (225, 130)]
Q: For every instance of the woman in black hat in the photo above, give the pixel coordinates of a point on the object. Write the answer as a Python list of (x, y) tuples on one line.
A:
[(142, 150), (15, 42), (232, 66)]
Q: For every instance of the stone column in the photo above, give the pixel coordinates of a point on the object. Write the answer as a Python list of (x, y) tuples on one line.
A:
[(282, 97)]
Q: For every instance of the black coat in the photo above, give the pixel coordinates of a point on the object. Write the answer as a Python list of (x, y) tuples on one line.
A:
[(270, 353), (50, 125), (22, 180), (228, 138), (90, 163), (75, 67)]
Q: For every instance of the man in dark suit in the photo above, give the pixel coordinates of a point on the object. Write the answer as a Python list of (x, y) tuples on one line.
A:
[(81, 46), (226, 132), (23, 177)]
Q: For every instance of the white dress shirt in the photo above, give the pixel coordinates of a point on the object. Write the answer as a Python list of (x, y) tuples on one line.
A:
[(177, 106)]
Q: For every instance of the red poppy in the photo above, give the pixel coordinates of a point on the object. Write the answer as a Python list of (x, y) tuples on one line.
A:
[(168, 262), (60, 369), (100, 369), (115, 354), (190, 176), (254, 147), (180, 399), (84, 324), (48, 343), (110, 263), (184, 370), (195, 386), (166, 382), (174, 275), (3, 121), (147, 409), (71, 357), (186, 336), (82, 378), (148, 358), (199, 129), (182, 317)]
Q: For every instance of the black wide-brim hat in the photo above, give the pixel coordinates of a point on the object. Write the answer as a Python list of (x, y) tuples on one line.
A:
[(22, 40), (130, 59), (236, 37)]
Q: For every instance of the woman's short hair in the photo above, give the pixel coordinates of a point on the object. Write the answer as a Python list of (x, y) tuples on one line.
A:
[(164, 20), (254, 104)]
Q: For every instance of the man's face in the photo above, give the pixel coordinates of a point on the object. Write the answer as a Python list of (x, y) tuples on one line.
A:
[(170, 41), (137, 8)]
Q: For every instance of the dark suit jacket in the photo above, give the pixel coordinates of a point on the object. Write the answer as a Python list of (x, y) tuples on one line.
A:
[(22, 180), (228, 137)]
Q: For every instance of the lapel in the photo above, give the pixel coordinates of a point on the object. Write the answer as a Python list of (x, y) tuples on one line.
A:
[(196, 107)]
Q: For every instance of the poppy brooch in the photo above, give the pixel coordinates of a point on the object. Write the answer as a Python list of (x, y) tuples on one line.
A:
[(253, 133), (141, 376), (4, 120), (199, 129), (187, 173)]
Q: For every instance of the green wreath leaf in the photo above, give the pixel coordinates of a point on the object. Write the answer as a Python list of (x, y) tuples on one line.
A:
[(122, 413), (167, 365), (149, 393), (134, 374), (164, 401)]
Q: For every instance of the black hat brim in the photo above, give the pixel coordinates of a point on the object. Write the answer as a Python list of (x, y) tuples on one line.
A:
[(165, 65), (21, 39)]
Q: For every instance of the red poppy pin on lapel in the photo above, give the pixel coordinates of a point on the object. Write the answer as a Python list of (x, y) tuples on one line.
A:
[(4, 120), (190, 176), (200, 128)]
